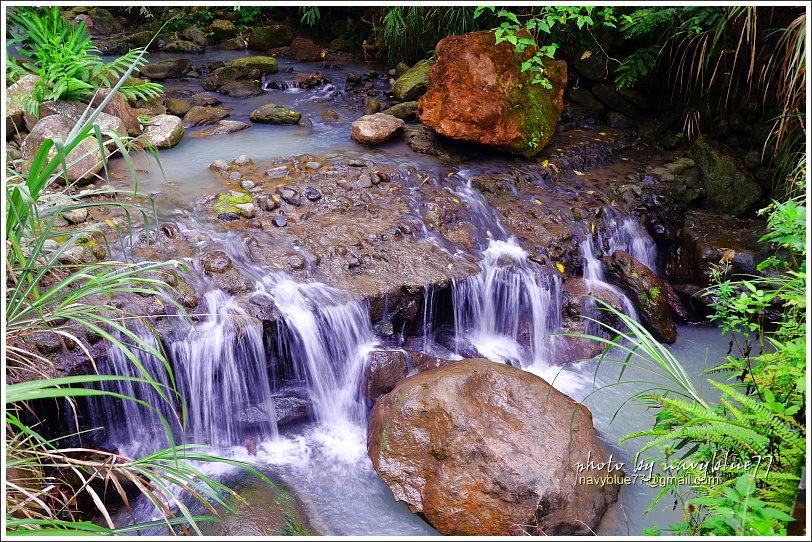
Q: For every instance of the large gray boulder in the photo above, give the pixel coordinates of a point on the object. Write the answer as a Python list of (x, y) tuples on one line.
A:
[(117, 106), (164, 132), (87, 155), (481, 448), (375, 129)]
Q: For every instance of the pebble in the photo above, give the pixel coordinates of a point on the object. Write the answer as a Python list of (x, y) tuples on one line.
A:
[(215, 262), (290, 196), (254, 223), (248, 185), (357, 163), (374, 179), (76, 216), (246, 209), (312, 194), (312, 165), (343, 183), (234, 176), (267, 203), (364, 181), (243, 160), (280, 171), (280, 221), (305, 122), (228, 217), (219, 164)]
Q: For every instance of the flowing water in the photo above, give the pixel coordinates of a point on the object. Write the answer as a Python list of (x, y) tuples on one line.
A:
[(228, 368)]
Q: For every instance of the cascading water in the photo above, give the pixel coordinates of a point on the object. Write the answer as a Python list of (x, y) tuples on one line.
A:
[(510, 302), (219, 367), (624, 233), (327, 334)]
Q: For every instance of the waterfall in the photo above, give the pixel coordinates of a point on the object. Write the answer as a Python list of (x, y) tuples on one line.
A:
[(508, 304), (220, 370), (327, 335), (625, 233), (595, 278)]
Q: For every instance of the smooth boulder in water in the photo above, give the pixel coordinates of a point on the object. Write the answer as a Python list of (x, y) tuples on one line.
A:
[(477, 92), (481, 448), (164, 132), (86, 158), (275, 114), (166, 69), (375, 129)]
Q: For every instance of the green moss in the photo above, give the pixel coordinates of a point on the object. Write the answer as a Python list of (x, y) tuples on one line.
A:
[(228, 204)]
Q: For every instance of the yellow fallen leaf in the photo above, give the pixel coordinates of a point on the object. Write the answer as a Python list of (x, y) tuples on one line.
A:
[(276, 265), (586, 55), (110, 223), (596, 138), (593, 227), (560, 150), (612, 203), (450, 174), (578, 172), (589, 192), (560, 267), (159, 302), (727, 255), (545, 163), (455, 200), (537, 202), (624, 158), (601, 133)]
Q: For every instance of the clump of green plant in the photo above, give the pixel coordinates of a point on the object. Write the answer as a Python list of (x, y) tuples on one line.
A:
[(227, 203), (66, 60), (524, 30), (44, 480), (758, 422)]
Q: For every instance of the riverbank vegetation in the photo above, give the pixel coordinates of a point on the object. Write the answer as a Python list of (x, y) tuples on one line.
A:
[(736, 74)]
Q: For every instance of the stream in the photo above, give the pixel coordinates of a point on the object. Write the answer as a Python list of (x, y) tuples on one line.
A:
[(506, 313)]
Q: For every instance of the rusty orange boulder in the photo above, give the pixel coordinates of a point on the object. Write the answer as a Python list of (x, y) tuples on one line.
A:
[(477, 92), (481, 448)]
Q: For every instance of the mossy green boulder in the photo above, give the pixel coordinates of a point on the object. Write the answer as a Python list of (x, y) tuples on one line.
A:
[(267, 37), (265, 64), (275, 114), (414, 83), (728, 187), (477, 92)]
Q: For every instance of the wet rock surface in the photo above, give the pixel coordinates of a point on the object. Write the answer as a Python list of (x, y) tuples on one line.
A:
[(480, 448), (477, 93)]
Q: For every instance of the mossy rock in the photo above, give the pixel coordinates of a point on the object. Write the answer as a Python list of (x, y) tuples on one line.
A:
[(728, 188), (414, 83), (222, 30), (265, 64), (478, 92), (264, 38), (227, 203), (228, 74), (184, 46), (271, 510), (275, 114)]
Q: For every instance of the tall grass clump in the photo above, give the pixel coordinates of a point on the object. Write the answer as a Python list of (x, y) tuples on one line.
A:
[(51, 488)]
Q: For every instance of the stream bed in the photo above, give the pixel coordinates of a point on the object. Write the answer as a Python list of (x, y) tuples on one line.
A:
[(324, 461)]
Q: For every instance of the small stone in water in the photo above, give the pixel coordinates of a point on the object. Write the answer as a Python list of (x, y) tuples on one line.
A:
[(357, 163), (267, 203), (246, 209), (312, 194), (219, 165), (254, 223), (76, 216), (228, 217), (290, 196), (344, 184), (364, 181), (248, 185), (215, 262), (277, 171), (280, 221), (234, 176), (312, 165), (243, 160)]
